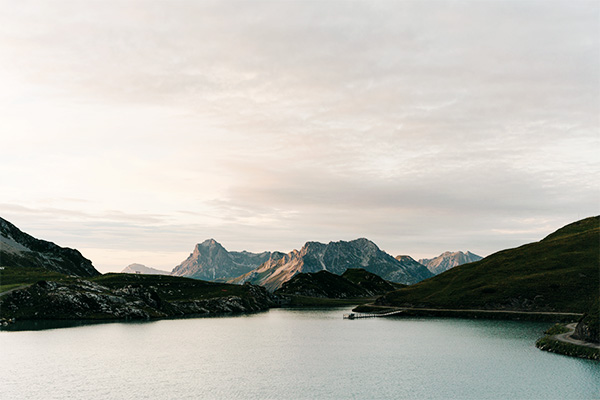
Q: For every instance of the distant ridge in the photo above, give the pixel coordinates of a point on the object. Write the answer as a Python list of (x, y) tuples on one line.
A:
[(448, 260), (142, 269), (335, 257)]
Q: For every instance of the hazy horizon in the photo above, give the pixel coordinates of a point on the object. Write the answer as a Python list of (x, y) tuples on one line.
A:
[(132, 130)]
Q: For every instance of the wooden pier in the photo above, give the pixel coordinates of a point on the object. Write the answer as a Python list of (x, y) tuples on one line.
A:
[(366, 315)]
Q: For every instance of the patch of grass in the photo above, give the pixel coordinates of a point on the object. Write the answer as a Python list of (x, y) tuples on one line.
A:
[(556, 329), (12, 277), (173, 288), (556, 346)]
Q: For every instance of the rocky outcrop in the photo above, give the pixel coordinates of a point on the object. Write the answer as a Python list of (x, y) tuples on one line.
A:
[(211, 261), (85, 300), (22, 250), (588, 327), (334, 257), (448, 260)]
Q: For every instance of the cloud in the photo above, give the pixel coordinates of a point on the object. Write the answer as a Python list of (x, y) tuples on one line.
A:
[(421, 125)]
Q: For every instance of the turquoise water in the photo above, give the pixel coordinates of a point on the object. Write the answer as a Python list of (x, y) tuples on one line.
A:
[(291, 354)]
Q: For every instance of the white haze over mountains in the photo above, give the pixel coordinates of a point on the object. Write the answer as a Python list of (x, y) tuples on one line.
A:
[(132, 130)]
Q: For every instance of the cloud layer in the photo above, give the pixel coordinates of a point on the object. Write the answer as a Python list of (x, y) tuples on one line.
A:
[(425, 126)]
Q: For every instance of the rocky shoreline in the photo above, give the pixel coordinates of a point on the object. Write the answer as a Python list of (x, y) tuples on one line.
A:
[(563, 339), (86, 300)]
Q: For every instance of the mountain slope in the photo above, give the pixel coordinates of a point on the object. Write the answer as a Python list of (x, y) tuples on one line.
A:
[(142, 269), (371, 283), (335, 257), (211, 261), (411, 263), (322, 284), (558, 273), (448, 260), (18, 249)]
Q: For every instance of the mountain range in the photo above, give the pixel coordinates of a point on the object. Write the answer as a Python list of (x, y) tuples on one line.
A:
[(335, 257), (448, 260), (22, 250)]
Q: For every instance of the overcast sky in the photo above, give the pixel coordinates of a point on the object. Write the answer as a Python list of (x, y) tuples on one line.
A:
[(132, 130)]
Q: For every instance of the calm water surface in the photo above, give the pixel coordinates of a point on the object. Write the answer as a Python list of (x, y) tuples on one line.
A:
[(291, 354)]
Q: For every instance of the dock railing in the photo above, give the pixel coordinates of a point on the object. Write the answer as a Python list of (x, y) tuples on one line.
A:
[(371, 315)]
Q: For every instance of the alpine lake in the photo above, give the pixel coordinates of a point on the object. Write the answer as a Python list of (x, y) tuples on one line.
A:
[(290, 354)]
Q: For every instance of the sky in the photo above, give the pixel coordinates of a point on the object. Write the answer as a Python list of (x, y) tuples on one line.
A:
[(132, 130)]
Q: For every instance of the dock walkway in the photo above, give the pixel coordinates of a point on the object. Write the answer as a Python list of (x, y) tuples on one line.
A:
[(367, 315)]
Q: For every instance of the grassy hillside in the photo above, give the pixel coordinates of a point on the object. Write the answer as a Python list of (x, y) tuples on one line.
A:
[(12, 277), (559, 273), (173, 288)]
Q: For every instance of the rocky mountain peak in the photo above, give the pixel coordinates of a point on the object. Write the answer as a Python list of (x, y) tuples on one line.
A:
[(209, 244), (448, 260), (211, 261), (17, 248)]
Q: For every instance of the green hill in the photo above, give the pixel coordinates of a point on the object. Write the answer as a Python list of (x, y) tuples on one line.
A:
[(321, 284), (558, 273)]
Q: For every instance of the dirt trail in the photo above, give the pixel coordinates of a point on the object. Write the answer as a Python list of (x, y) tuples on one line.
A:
[(566, 337), (460, 310), (13, 289)]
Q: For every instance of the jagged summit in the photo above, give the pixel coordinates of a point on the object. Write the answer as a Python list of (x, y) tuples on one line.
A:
[(22, 250), (209, 243), (211, 261)]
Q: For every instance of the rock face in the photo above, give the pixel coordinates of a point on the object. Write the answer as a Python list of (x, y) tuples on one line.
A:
[(83, 299), (588, 328), (142, 269), (447, 260), (22, 250), (210, 261), (335, 257), (354, 283)]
